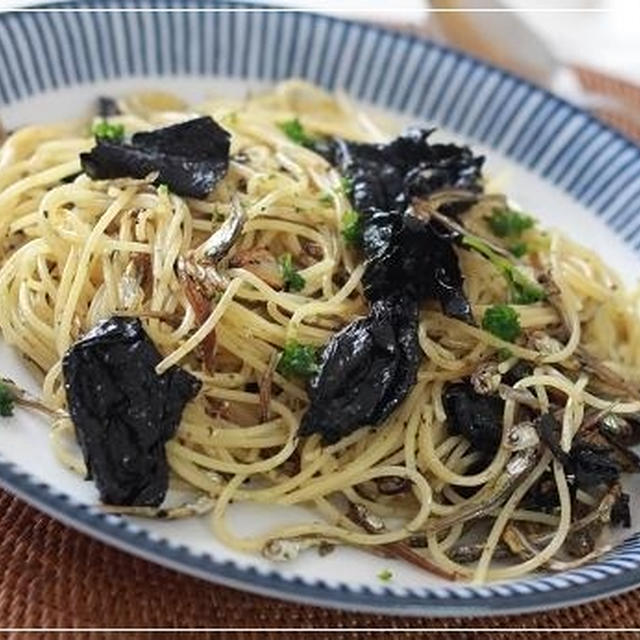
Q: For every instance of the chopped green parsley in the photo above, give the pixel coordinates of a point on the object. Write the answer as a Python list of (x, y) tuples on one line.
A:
[(502, 321), (352, 228), (104, 130), (293, 281), (507, 223), (346, 185), (385, 575), (522, 289), (519, 249), (294, 130), (6, 401), (298, 360)]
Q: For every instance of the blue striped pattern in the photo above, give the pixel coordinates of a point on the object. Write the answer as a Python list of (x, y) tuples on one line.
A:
[(42, 51)]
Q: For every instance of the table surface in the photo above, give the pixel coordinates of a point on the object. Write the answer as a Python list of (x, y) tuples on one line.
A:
[(55, 577)]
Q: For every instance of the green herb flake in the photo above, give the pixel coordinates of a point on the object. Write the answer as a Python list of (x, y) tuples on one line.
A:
[(522, 289), (6, 401), (352, 228), (504, 354), (519, 249), (104, 130), (163, 190), (385, 575), (294, 130), (346, 186), (293, 281), (507, 223), (502, 321), (326, 198), (298, 360)]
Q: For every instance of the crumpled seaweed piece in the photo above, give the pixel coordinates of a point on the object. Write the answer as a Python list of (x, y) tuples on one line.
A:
[(587, 464), (519, 370), (591, 465), (402, 251), (620, 512), (543, 495), (124, 412), (477, 417), (406, 253), (368, 368), (365, 371), (387, 176), (190, 157)]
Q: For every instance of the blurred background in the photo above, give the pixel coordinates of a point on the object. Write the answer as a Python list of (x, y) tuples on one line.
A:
[(588, 51), (604, 34)]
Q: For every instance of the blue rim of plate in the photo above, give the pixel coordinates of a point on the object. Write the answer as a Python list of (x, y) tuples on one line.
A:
[(46, 50)]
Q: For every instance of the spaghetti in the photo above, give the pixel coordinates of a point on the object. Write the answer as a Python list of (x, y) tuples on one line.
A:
[(76, 251)]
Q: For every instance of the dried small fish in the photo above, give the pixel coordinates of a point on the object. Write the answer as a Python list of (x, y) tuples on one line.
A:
[(466, 553), (486, 378), (522, 436), (265, 384), (202, 307), (623, 430), (287, 549), (200, 277), (544, 343), (392, 485), (580, 543), (371, 523), (201, 265), (620, 513), (560, 565), (218, 245), (359, 514), (22, 397), (592, 364), (201, 505), (492, 495)]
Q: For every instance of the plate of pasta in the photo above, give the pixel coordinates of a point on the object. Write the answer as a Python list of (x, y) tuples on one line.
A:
[(351, 320)]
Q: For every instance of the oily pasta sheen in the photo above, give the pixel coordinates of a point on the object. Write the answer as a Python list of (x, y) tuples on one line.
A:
[(75, 251)]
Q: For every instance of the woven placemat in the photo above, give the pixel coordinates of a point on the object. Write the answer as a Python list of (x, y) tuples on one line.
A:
[(627, 117), (53, 576)]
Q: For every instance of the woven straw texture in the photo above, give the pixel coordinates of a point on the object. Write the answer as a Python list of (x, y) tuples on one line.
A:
[(54, 577), (627, 118)]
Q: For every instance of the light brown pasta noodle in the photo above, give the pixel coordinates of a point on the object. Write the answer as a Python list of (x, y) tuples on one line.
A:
[(68, 252)]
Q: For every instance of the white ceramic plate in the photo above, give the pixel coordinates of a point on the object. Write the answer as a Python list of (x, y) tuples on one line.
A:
[(570, 170)]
